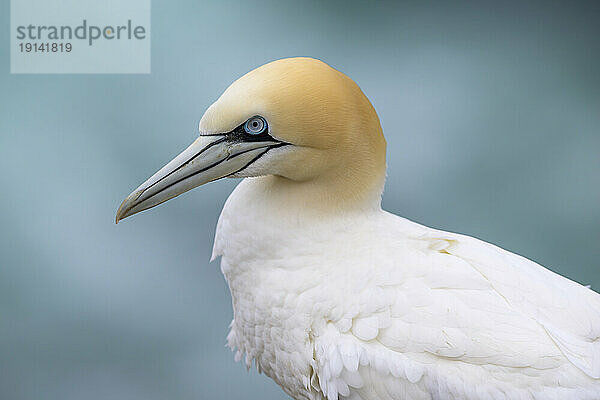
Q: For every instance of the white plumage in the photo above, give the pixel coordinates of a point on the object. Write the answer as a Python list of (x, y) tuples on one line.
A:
[(373, 306), (334, 298)]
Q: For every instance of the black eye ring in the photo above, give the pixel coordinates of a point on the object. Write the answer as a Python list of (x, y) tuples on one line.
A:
[(255, 126)]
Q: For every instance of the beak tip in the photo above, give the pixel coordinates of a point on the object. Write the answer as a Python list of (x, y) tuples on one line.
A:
[(123, 210), (120, 216)]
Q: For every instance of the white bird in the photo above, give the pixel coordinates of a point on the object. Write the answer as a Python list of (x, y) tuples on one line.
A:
[(334, 298)]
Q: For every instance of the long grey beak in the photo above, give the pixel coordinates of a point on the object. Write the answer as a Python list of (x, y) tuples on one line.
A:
[(207, 159)]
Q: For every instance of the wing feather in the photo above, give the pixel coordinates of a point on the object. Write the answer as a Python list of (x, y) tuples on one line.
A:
[(452, 317), (568, 312)]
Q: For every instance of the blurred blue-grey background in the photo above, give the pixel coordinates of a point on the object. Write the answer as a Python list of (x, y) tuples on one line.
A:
[(491, 112)]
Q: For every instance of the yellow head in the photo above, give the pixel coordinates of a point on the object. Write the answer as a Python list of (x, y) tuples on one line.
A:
[(298, 120)]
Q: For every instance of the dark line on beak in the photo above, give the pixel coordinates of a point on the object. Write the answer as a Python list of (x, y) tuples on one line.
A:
[(182, 165), (211, 166), (258, 156)]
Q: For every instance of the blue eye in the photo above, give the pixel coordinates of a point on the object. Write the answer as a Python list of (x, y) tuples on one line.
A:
[(255, 126)]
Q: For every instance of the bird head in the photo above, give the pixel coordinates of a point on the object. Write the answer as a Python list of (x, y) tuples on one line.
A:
[(298, 120)]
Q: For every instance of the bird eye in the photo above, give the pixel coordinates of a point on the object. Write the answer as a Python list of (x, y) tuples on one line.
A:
[(255, 126)]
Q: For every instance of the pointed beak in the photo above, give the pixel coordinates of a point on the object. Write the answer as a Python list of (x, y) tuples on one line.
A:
[(207, 159)]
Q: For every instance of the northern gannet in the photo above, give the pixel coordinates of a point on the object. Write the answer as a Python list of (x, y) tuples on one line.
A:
[(334, 298)]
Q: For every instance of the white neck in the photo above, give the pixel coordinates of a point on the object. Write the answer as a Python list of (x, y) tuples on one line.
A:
[(315, 198)]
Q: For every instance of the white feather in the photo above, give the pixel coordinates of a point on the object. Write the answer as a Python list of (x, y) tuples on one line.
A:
[(394, 310)]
